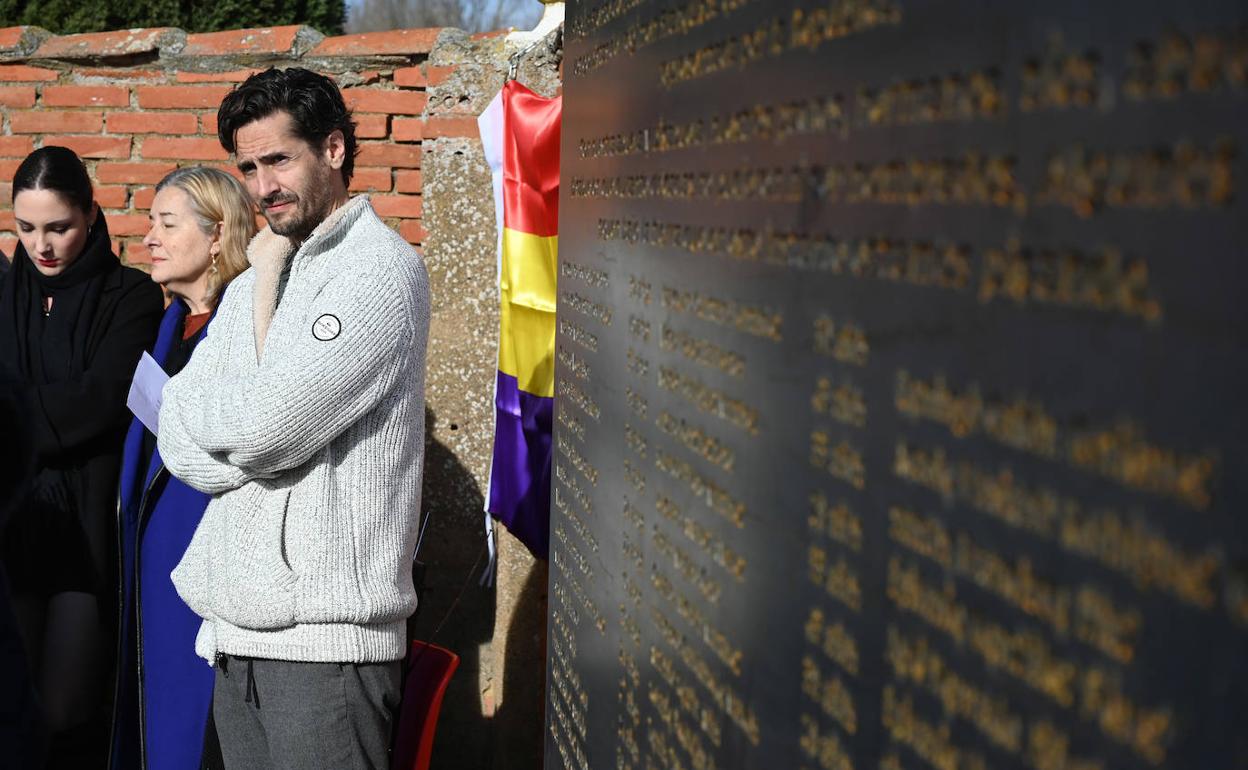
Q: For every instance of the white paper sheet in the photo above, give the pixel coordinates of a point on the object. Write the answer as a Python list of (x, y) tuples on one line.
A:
[(145, 392)]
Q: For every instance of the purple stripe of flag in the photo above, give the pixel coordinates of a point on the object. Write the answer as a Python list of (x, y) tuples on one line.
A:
[(520, 474)]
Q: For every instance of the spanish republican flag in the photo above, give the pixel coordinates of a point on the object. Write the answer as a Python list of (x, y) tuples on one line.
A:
[(520, 134)]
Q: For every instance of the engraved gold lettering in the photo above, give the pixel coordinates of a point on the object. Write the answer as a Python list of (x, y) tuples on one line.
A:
[(713, 638), (576, 333), (830, 694), (833, 639), (574, 363), (701, 351), (696, 440), (844, 341), (721, 554), (710, 400), (823, 748), (723, 696), (842, 461), (834, 521), (587, 275), (928, 741), (838, 579), (913, 661), (710, 493), (845, 403), (755, 320), (599, 312)]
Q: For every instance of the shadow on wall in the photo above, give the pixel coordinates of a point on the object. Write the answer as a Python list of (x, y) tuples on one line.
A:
[(458, 613), (519, 736), (455, 612)]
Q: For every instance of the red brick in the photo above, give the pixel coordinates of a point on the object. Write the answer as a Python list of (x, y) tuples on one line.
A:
[(96, 45), (234, 76), (400, 41), (487, 35), (412, 231), (17, 96), (142, 198), (111, 196), (128, 224), (20, 73), (228, 168), (208, 123), (436, 76), (180, 97), (15, 147), (7, 222), (8, 168), (112, 73), (93, 146), (383, 154), (406, 206), (377, 179), (152, 123), (371, 126), (86, 96), (133, 173), (11, 36), (436, 128), (394, 102), (43, 121), (6, 192), (279, 40), (408, 129), (410, 77), (136, 253), (407, 181), (184, 149)]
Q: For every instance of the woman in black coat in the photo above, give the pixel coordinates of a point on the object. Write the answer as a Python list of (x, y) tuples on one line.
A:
[(73, 323)]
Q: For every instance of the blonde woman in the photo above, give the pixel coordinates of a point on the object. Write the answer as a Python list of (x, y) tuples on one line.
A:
[(202, 220)]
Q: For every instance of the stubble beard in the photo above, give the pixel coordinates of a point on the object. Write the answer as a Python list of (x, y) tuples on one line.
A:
[(311, 208)]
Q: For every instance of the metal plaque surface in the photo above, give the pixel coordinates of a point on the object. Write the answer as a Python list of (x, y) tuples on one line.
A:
[(901, 360)]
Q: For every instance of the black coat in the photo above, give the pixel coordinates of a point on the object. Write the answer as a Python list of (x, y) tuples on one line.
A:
[(81, 422)]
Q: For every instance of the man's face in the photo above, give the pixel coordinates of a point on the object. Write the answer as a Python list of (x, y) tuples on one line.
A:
[(293, 182)]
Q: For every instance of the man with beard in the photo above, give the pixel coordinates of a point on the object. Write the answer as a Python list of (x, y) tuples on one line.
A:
[(302, 413)]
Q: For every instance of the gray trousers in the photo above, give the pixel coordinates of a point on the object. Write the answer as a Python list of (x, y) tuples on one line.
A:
[(273, 714)]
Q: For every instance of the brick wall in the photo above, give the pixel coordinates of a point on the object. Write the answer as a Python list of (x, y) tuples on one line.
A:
[(135, 104)]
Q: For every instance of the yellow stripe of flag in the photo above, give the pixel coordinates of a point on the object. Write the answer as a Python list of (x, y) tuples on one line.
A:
[(528, 287)]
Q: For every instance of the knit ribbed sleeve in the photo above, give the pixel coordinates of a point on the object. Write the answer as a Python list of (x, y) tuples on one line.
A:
[(278, 414)]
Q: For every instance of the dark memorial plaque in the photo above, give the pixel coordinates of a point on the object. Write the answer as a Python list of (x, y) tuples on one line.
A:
[(900, 366)]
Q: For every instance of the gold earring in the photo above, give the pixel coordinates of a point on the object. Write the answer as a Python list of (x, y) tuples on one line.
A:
[(212, 269)]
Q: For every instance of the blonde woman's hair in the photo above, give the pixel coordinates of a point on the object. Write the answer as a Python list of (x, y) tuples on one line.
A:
[(218, 198)]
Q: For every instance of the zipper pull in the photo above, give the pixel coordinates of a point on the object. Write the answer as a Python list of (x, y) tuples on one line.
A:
[(221, 662)]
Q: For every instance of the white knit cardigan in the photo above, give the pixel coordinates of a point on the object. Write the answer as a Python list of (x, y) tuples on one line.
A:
[(306, 424)]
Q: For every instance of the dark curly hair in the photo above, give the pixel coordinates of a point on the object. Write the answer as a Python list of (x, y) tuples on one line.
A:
[(312, 100)]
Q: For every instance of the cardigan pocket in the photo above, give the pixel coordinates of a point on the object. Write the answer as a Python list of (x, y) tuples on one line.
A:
[(254, 586)]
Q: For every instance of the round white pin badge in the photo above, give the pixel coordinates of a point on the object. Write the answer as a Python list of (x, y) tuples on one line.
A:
[(326, 327)]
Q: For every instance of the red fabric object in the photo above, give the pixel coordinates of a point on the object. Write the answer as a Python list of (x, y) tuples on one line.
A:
[(429, 671), (193, 323), (530, 161)]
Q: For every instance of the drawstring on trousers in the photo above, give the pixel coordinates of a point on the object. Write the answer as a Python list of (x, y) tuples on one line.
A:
[(253, 695)]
